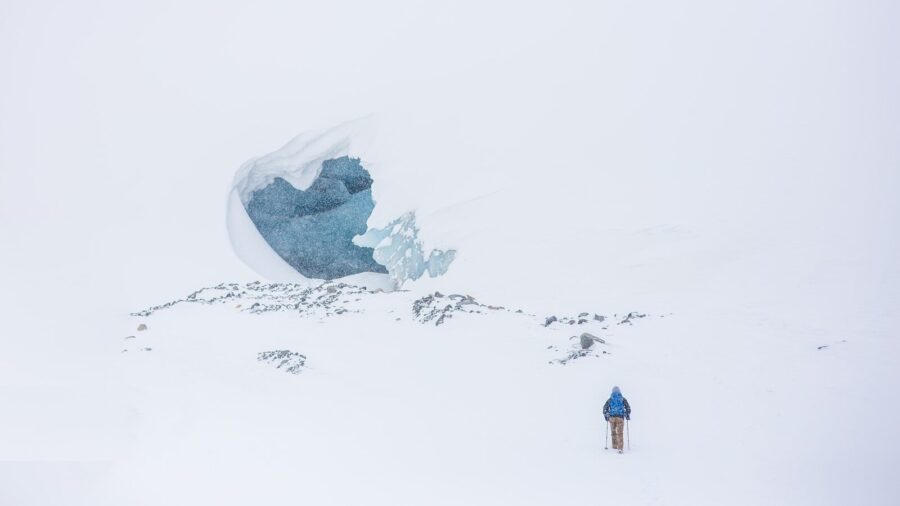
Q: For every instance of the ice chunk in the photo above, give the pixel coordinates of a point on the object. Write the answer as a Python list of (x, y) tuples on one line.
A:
[(313, 229), (293, 215), (397, 247)]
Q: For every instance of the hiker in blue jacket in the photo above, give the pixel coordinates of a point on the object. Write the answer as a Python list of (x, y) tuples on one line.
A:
[(616, 411)]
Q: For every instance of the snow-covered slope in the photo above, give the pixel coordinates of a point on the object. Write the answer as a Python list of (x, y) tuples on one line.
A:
[(729, 171)]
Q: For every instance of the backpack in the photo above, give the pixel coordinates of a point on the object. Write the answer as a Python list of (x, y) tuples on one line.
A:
[(616, 405)]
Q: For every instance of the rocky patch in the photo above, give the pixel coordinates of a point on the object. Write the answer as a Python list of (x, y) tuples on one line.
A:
[(576, 354), (291, 361), (332, 299), (630, 318), (327, 299), (581, 319), (437, 308)]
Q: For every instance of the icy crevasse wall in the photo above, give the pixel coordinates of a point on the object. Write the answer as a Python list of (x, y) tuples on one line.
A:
[(301, 212)]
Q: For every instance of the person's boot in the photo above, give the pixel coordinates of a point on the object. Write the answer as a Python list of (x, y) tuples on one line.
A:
[(621, 451)]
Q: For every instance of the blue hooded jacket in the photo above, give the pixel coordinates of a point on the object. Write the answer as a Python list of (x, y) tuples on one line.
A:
[(616, 406)]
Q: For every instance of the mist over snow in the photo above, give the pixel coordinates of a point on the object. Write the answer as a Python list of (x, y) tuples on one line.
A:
[(695, 201)]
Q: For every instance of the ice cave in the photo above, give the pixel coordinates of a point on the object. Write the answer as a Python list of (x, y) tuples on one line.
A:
[(302, 212)]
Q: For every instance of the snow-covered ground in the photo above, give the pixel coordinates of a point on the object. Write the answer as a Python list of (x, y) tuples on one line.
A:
[(729, 171)]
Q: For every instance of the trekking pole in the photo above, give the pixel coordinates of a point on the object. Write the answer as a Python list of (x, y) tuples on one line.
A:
[(606, 439), (628, 434)]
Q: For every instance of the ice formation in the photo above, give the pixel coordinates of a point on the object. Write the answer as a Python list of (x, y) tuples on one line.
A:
[(300, 213), (397, 247), (313, 229)]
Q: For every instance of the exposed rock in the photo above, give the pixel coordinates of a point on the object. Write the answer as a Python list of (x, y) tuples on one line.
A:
[(582, 319), (588, 340), (595, 338), (334, 299), (573, 355), (256, 297), (430, 309), (630, 317), (291, 361)]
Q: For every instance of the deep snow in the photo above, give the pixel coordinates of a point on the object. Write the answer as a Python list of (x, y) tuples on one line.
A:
[(729, 170)]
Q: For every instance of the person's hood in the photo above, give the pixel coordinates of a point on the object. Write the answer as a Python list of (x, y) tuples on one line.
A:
[(616, 391)]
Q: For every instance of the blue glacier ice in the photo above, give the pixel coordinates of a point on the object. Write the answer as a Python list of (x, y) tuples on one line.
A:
[(313, 229), (397, 247)]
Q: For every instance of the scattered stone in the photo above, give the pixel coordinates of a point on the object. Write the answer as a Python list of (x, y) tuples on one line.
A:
[(588, 340), (582, 319), (573, 355), (630, 317), (320, 301), (291, 361), (430, 309), (334, 299), (595, 338), (822, 347), (146, 349)]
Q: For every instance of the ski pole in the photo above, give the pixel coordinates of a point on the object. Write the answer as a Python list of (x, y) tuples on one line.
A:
[(628, 433), (606, 439)]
